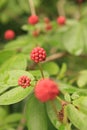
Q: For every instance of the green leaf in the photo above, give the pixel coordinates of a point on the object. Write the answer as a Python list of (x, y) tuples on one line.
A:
[(17, 44), (81, 103), (13, 118), (67, 97), (15, 95), (3, 113), (52, 114), (16, 62), (35, 114), (6, 55), (51, 67), (67, 88), (82, 78), (77, 118), (73, 39), (62, 71)]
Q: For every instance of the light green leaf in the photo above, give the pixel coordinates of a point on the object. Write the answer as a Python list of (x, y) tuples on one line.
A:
[(82, 78), (67, 97), (51, 67), (77, 118), (73, 39), (6, 55), (10, 78), (81, 103), (62, 71), (15, 62), (35, 114), (13, 118), (15, 95)]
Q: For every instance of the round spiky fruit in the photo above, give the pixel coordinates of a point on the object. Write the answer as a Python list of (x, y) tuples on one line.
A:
[(38, 54), (9, 34), (24, 81), (61, 20), (46, 89), (33, 19)]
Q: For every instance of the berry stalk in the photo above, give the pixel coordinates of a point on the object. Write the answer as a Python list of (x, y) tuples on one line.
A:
[(41, 70), (32, 7)]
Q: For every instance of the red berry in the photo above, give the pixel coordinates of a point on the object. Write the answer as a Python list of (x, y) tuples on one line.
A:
[(33, 19), (24, 81), (46, 20), (61, 20), (46, 89), (36, 33), (48, 27), (9, 34), (38, 54)]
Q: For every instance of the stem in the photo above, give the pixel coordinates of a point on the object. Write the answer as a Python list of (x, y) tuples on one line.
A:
[(41, 70), (32, 7), (60, 7)]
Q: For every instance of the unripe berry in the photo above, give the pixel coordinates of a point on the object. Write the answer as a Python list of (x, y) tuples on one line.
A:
[(61, 20), (36, 33), (38, 54), (46, 89), (9, 34), (48, 27), (24, 81), (33, 19), (46, 20)]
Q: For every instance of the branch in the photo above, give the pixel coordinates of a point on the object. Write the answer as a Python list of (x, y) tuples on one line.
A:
[(55, 56)]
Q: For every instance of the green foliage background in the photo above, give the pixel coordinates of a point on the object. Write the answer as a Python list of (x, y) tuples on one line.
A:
[(67, 44)]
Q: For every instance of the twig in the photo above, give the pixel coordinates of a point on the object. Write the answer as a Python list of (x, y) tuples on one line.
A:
[(55, 56), (32, 7)]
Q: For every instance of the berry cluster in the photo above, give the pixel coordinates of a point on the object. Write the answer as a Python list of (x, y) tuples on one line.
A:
[(9, 34), (46, 89), (33, 19), (38, 54), (24, 81)]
